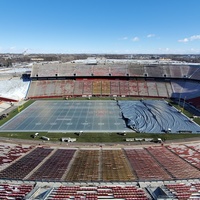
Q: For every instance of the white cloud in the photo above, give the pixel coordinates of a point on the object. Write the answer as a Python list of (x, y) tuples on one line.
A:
[(151, 35), (135, 39), (195, 37), (184, 40), (192, 50), (164, 50), (192, 38), (12, 48), (125, 38)]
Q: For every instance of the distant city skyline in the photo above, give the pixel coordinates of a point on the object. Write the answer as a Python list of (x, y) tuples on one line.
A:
[(100, 26)]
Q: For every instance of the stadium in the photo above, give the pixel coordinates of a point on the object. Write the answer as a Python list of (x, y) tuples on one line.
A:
[(109, 97)]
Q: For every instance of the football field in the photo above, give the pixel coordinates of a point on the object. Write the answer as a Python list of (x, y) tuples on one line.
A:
[(68, 116)]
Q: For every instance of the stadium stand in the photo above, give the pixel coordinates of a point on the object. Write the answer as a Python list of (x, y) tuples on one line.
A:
[(22, 167), (118, 70), (4, 106), (85, 166), (146, 168), (185, 89), (101, 70), (152, 88), (142, 80), (154, 70), (184, 191), (196, 74), (105, 88), (124, 88), (180, 168), (14, 191), (161, 88), (142, 88), (78, 88), (115, 166), (189, 155), (177, 87), (87, 87), (136, 70), (194, 147), (185, 70), (175, 71), (54, 168), (9, 153), (101, 172), (152, 190), (169, 88), (133, 87), (86, 70), (96, 87), (99, 192), (129, 164), (114, 87)]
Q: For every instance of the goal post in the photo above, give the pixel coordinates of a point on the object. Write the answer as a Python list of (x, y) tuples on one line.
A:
[(20, 108)]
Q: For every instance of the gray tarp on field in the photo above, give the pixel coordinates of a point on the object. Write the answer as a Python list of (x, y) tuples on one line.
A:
[(155, 117)]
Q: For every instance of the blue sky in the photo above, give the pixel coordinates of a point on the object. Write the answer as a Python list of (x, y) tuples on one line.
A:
[(100, 26)]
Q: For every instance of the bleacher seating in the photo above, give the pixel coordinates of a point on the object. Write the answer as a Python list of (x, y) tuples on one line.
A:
[(55, 167), (180, 169), (96, 87), (101, 70), (184, 191), (154, 70), (116, 70), (133, 87), (196, 74), (145, 166), (87, 87), (105, 87), (124, 88), (152, 88), (85, 81), (161, 88), (85, 166), (114, 87), (185, 89), (195, 147), (78, 88), (115, 166), (51, 88), (86, 70), (175, 71), (99, 192), (14, 191), (185, 70), (22, 167), (142, 88), (9, 153), (169, 88), (136, 70), (177, 87), (109, 165), (189, 155)]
